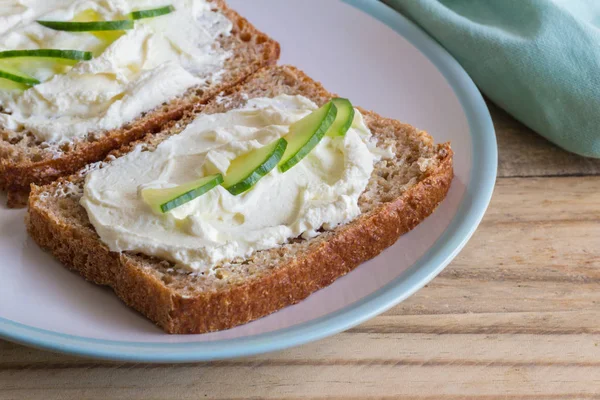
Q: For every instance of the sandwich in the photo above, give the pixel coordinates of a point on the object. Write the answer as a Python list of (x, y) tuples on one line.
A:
[(248, 203), (80, 78)]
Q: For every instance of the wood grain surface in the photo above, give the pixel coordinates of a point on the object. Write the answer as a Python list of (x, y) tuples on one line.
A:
[(515, 316)]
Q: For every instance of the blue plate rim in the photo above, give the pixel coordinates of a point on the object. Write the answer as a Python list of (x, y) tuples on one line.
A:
[(463, 225)]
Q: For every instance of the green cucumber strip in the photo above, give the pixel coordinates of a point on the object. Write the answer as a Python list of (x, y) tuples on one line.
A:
[(306, 133), (156, 12), (49, 53), (108, 37), (38, 68), (164, 200), (249, 168), (344, 118), (92, 26), (18, 77)]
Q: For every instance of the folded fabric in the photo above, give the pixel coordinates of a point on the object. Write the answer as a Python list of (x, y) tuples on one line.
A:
[(537, 59)]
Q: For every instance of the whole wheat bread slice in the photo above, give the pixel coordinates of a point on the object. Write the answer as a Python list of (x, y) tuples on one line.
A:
[(401, 192), (25, 160)]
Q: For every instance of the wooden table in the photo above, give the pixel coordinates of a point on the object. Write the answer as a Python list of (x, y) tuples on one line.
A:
[(515, 316)]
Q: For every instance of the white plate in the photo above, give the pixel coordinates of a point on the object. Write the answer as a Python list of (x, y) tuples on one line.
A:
[(394, 69)]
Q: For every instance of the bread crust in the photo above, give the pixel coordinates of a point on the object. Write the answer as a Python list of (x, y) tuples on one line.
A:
[(17, 176), (79, 248)]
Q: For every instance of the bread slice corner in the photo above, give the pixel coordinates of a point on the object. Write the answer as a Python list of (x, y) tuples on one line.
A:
[(24, 160), (401, 192)]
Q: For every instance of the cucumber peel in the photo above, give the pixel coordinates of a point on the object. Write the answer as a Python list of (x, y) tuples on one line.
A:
[(343, 119), (156, 12), (306, 133), (18, 77), (164, 200), (91, 26), (108, 37), (246, 170), (72, 55), (22, 66), (95, 25)]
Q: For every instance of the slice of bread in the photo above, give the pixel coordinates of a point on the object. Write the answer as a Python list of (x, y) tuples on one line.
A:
[(402, 191), (25, 160)]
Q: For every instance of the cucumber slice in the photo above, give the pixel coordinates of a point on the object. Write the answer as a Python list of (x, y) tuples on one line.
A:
[(164, 200), (92, 26), (38, 68), (107, 37), (7, 85), (18, 77), (344, 118), (36, 63), (156, 12), (306, 133), (249, 168), (74, 55)]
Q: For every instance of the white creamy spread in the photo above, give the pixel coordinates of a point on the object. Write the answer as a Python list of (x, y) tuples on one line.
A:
[(156, 61), (321, 191)]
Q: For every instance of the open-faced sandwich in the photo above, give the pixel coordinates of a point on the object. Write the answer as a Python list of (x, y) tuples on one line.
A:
[(80, 78), (247, 204)]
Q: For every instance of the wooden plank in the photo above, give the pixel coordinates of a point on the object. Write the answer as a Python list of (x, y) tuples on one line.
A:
[(566, 256), (345, 366), (537, 250), (318, 382), (515, 314), (545, 199), (452, 296), (400, 339), (523, 152), (550, 324)]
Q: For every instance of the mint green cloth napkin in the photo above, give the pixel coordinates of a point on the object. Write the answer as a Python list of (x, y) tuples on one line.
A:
[(537, 59)]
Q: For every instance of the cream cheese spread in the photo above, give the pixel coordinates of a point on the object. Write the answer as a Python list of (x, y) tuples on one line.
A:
[(321, 191), (156, 61)]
